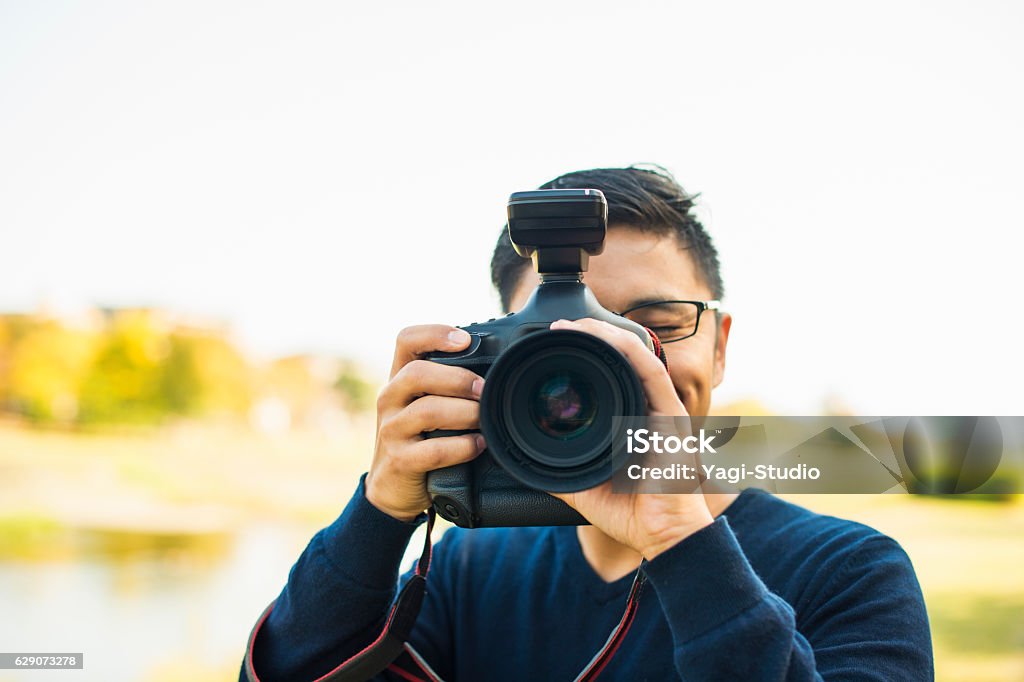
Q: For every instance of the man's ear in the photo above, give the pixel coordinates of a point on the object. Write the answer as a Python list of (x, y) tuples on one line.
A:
[(721, 341)]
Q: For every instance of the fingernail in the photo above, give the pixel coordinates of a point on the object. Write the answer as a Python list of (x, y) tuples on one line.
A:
[(480, 443), (478, 387), (458, 337)]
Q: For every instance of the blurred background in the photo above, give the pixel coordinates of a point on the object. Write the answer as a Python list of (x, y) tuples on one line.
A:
[(215, 217)]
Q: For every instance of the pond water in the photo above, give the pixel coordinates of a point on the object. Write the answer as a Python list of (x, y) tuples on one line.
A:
[(152, 613)]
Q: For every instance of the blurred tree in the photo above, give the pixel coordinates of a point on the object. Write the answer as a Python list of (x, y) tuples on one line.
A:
[(134, 366), (358, 393), (146, 371), (45, 365), (6, 341), (125, 382), (12, 327), (181, 384), (205, 373)]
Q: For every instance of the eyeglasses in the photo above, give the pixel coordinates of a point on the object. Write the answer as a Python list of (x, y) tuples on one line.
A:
[(670, 321)]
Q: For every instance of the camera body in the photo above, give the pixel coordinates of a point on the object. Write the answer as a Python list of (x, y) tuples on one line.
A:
[(553, 399)]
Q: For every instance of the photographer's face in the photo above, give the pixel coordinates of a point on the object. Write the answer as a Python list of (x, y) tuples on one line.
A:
[(638, 267)]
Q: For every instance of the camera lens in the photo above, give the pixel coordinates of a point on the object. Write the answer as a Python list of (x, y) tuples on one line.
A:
[(563, 405), (552, 406)]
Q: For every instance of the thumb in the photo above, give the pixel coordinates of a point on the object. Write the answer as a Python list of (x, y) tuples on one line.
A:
[(568, 498)]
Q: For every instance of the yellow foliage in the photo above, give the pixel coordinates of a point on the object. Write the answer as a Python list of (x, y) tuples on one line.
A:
[(47, 365), (140, 366)]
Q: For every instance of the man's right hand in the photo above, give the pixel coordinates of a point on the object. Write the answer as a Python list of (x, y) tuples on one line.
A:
[(422, 396)]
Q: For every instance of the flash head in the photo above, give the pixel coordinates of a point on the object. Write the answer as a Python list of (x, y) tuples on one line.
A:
[(559, 229)]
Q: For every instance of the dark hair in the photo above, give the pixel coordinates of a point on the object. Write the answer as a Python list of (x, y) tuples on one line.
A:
[(643, 198)]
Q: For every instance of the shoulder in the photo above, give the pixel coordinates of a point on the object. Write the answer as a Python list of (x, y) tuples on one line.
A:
[(764, 521), (805, 556)]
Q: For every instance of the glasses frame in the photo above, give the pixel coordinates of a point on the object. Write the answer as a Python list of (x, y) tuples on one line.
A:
[(701, 307)]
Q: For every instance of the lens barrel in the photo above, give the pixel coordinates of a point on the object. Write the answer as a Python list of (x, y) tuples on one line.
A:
[(552, 407)]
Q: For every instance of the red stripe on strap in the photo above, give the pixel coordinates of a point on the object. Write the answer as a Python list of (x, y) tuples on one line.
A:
[(604, 656), (405, 675)]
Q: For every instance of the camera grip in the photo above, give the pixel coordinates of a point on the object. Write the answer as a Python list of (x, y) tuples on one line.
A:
[(523, 506), (451, 493), (479, 494)]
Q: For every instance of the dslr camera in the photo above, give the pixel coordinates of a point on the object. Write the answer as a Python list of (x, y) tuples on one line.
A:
[(554, 401)]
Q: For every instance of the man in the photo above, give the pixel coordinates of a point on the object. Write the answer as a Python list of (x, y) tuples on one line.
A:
[(743, 587)]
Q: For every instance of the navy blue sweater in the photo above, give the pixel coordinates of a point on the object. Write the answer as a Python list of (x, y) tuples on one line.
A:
[(769, 591)]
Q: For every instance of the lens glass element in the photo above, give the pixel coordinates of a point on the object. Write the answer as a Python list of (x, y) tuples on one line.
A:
[(563, 405)]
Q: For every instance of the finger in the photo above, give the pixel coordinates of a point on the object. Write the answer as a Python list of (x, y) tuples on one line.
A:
[(434, 453), (661, 394), (414, 342), (423, 377), (568, 498), (433, 412), (586, 501)]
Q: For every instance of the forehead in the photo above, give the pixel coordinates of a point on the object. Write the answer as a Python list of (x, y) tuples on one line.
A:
[(637, 267)]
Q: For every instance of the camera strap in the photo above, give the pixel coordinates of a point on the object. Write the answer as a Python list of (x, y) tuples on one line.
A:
[(659, 349), (602, 657), (390, 646)]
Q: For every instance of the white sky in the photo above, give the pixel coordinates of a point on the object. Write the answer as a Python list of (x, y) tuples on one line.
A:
[(321, 174)]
